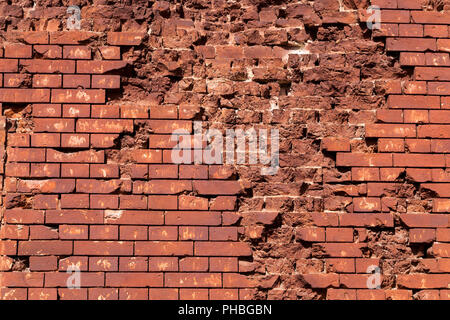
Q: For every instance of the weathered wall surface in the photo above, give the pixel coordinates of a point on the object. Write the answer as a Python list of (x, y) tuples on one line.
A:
[(88, 178)]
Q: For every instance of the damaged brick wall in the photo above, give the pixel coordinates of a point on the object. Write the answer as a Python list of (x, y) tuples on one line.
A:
[(88, 179)]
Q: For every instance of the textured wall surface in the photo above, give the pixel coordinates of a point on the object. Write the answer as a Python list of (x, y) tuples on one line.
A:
[(87, 175)]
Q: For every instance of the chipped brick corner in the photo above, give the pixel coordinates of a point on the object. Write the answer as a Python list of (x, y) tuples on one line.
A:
[(87, 178)]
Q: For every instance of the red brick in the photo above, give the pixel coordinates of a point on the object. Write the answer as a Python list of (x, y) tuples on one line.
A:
[(162, 187), (193, 233), (78, 96), (192, 203), (43, 201), (414, 102), (88, 156), (419, 160), (43, 233), (421, 220), (46, 110), (423, 281), (133, 202), (163, 294), (70, 294), (134, 217), (103, 141), (410, 30), (74, 216), (17, 169), (42, 294), (133, 294), (22, 279), (422, 235), (18, 140), (162, 264), (133, 233), (433, 74), (194, 294), (412, 59), (48, 66), (74, 201), (367, 204), (87, 279), (430, 17), (16, 80), (71, 37), (361, 159), (192, 264), (24, 216), (45, 247), (17, 232), (46, 80), (103, 293), (53, 125), (410, 44), (107, 248), (133, 264), (109, 52), (104, 233), (222, 249), (108, 111), (163, 233), (193, 217), (74, 170), (310, 234)]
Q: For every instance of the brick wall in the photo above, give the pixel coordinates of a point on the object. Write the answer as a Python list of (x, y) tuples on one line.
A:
[(88, 179)]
